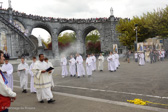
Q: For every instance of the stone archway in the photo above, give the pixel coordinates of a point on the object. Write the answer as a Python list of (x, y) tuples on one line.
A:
[(69, 47), (86, 31)]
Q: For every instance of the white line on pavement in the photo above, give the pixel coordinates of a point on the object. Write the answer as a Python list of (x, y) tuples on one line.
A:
[(109, 101), (108, 91)]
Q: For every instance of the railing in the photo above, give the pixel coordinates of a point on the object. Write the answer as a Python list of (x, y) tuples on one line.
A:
[(11, 26)]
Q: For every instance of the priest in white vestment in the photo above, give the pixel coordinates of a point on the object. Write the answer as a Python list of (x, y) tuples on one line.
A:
[(141, 59), (32, 88), (101, 62), (116, 60), (64, 66), (111, 59), (42, 80), (23, 70), (72, 66), (88, 65), (80, 67), (51, 75), (7, 70)]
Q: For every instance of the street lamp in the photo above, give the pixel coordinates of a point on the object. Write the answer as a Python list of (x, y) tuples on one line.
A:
[(136, 30)]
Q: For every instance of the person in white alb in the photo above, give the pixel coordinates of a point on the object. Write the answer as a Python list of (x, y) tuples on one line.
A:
[(64, 66), (7, 70), (23, 70), (72, 66), (101, 62), (42, 80), (51, 75), (32, 88), (88, 66)]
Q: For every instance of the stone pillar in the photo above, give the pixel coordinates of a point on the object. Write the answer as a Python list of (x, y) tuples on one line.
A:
[(55, 48), (80, 43)]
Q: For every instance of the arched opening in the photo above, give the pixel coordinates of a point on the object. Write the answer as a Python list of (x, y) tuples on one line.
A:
[(43, 36), (67, 42), (92, 41)]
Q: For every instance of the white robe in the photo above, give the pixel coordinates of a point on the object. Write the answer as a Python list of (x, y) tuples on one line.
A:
[(64, 67), (83, 69), (88, 66), (108, 60), (101, 62), (142, 60), (51, 75), (9, 76), (111, 60), (72, 67), (32, 88), (23, 75), (94, 62), (117, 63), (42, 81), (80, 67)]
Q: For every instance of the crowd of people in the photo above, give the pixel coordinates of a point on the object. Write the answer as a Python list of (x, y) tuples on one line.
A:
[(62, 20), (149, 56), (76, 66)]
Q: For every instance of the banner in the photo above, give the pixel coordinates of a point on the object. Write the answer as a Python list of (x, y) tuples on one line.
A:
[(140, 47), (115, 48)]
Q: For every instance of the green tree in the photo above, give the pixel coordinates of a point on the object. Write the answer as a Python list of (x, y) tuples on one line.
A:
[(93, 36)]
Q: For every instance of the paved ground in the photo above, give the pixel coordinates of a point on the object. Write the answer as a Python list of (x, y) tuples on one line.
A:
[(149, 82)]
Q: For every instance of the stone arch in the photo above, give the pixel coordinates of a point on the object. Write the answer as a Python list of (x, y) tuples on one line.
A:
[(66, 28), (87, 30), (43, 26)]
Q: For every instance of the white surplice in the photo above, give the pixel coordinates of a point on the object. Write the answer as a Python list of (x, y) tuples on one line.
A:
[(32, 88), (101, 63), (64, 67), (88, 66), (80, 67), (72, 67), (51, 75), (9, 75), (23, 74), (42, 81)]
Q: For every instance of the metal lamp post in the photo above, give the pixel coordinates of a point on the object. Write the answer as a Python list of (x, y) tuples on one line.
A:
[(136, 30)]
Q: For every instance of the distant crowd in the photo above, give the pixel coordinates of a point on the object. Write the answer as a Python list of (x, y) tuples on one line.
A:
[(62, 20)]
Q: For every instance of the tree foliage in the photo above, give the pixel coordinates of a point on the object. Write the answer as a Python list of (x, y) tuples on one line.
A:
[(150, 25)]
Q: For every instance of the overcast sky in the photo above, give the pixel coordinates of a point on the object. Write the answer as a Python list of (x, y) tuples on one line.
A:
[(85, 8)]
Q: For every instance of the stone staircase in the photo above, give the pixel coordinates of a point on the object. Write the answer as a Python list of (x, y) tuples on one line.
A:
[(33, 48)]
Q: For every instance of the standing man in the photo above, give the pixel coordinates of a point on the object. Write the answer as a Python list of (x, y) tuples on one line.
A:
[(80, 68), (32, 88), (51, 75), (94, 62), (128, 56), (7, 70), (101, 62), (42, 80), (23, 70), (151, 54), (72, 66), (88, 65), (6, 94), (64, 66)]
